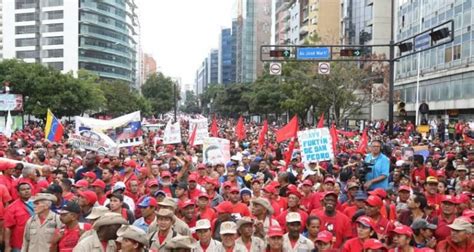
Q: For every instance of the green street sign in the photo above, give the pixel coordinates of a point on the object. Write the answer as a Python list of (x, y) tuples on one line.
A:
[(286, 53), (357, 53)]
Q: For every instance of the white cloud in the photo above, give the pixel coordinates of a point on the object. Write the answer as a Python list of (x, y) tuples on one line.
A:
[(179, 34)]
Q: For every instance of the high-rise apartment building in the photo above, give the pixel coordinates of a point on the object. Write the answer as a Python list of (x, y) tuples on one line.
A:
[(226, 57), (446, 73), (68, 35), (149, 66), (1, 29), (201, 77), (213, 66)]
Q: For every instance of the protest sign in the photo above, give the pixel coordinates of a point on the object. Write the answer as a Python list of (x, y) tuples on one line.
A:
[(95, 141), (315, 145), (216, 150), (201, 131), (125, 130), (172, 133)]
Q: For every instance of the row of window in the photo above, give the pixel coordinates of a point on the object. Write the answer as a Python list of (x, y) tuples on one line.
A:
[(105, 7), (32, 16), (104, 68), (27, 4), (84, 28), (104, 44), (104, 56), (53, 53), (103, 19), (58, 40), (26, 29)]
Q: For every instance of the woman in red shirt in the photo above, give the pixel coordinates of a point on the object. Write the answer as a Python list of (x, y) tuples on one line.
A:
[(365, 231)]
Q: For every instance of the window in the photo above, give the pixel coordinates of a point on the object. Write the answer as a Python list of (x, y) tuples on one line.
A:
[(457, 52), (25, 4), (54, 14), (53, 53), (27, 54), (56, 65), (448, 55), (23, 17), (53, 28), (26, 29), (53, 40), (51, 3), (26, 42)]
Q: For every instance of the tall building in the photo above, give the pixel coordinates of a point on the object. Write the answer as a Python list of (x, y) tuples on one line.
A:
[(446, 73), (201, 77), (282, 25), (294, 32), (149, 65), (1, 29), (226, 57), (68, 35), (213, 67), (256, 31)]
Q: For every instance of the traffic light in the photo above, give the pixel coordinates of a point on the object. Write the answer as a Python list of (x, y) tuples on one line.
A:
[(280, 53), (351, 52), (401, 109)]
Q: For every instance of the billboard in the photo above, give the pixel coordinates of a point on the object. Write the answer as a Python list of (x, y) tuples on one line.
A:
[(11, 102)]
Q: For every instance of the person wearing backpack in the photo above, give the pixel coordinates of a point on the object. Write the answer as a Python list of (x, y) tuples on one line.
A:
[(67, 237)]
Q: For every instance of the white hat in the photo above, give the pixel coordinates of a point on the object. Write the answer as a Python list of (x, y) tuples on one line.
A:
[(119, 185), (202, 224), (399, 163), (307, 173), (228, 227), (241, 169), (293, 217)]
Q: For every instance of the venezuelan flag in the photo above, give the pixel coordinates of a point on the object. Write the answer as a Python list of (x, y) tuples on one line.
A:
[(54, 129)]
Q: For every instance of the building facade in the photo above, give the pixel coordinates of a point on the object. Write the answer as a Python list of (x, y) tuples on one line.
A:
[(149, 65), (68, 35), (201, 77), (226, 57), (446, 73), (1, 29), (213, 67)]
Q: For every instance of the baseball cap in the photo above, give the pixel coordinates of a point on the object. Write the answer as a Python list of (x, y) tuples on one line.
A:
[(352, 185), (234, 189), (202, 224), (461, 224), (105, 161), (70, 207), (379, 192), (432, 179), (245, 190), (374, 201), (329, 180), (366, 221), (147, 202), (81, 183), (330, 193), (152, 182), (293, 217), (186, 203), (360, 195), (422, 224), (203, 194), (228, 227), (324, 236), (244, 220), (373, 244), (403, 230), (192, 178), (165, 174), (90, 175), (404, 188), (227, 184), (201, 166), (468, 213), (225, 207), (119, 186), (6, 165), (130, 163), (168, 202), (449, 198), (307, 182), (275, 231), (294, 192), (270, 189), (90, 196), (99, 183), (461, 168)]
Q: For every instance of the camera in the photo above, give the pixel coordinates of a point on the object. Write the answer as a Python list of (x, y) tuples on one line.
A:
[(363, 170)]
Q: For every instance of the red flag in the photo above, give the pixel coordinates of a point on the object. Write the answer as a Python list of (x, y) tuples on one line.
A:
[(335, 138), (214, 128), (288, 131), (321, 121), (192, 137), (240, 129), (364, 141), (261, 137), (289, 153)]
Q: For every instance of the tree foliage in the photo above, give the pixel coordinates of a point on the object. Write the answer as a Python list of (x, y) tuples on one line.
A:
[(191, 104), (159, 91)]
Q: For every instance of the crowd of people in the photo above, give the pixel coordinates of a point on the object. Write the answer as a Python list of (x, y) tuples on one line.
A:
[(404, 192)]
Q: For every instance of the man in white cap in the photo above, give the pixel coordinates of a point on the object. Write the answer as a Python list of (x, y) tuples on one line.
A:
[(205, 242), (132, 239), (105, 234), (293, 241), (120, 187), (40, 228), (228, 234), (460, 238), (262, 210), (247, 239)]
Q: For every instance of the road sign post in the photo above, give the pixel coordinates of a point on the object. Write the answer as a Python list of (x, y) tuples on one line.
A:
[(275, 68), (324, 68)]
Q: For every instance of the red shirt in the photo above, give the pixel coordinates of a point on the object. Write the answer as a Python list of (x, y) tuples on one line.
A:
[(9, 183), (434, 200), (4, 199), (449, 246), (443, 231), (208, 213), (354, 244), (101, 200), (16, 216), (194, 193), (383, 226), (305, 201), (68, 196), (420, 173), (282, 202), (71, 237), (241, 209), (338, 224)]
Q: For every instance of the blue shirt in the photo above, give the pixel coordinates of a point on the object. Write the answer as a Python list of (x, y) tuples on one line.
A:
[(141, 224), (381, 167)]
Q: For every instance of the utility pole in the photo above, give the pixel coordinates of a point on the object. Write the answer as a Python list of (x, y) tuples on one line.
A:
[(391, 84), (174, 100)]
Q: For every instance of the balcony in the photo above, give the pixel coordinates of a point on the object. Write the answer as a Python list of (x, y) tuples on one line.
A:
[(303, 30)]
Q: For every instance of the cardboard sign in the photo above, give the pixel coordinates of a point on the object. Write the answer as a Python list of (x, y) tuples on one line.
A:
[(172, 133), (216, 150), (315, 145), (201, 131), (95, 141)]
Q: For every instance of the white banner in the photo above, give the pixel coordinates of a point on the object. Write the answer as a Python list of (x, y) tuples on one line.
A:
[(172, 133), (315, 145), (125, 130), (95, 141), (201, 131), (216, 150)]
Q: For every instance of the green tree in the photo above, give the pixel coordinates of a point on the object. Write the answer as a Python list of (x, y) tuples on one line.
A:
[(159, 91), (191, 105), (122, 100), (210, 94)]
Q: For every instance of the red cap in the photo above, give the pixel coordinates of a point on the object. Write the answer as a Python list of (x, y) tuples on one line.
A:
[(225, 207), (99, 183), (468, 213), (90, 175), (234, 189), (329, 180), (147, 201), (77, 161), (203, 194), (6, 165), (274, 184), (275, 231), (270, 189), (373, 200), (324, 236), (379, 192), (307, 182), (366, 221), (294, 192), (373, 244), (152, 182), (440, 173), (201, 166), (143, 170), (403, 230), (130, 163), (227, 184), (404, 188), (165, 174), (90, 196), (81, 183), (449, 198), (462, 198), (330, 193), (105, 161), (213, 181), (192, 177), (186, 203)]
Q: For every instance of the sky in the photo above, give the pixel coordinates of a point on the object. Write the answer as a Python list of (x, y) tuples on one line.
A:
[(180, 34)]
